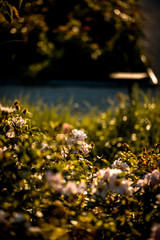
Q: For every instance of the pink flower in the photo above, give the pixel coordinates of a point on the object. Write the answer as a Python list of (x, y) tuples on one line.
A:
[(66, 128)]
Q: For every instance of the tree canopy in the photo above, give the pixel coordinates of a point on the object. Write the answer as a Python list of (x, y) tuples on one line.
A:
[(82, 39)]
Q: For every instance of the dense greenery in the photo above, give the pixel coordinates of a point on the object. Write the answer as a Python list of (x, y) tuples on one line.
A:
[(59, 39), (58, 184)]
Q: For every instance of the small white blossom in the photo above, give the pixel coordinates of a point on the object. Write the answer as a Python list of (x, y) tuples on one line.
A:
[(6, 109), (20, 122), (64, 151), (3, 149), (85, 148), (44, 146), (77, 135), (11, 132), (77, 138), (17, 122), (120, 165)]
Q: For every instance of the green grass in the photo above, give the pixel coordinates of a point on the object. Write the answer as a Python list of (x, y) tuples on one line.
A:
[(136, 122)]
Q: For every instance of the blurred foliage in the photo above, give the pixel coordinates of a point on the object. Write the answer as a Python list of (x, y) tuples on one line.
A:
[(10, 9), (54, 185), (72, 40), (133, 121)]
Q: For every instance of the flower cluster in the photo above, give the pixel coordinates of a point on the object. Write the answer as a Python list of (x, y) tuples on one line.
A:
[(77, 138), (50, 180), (152, 178), (14, 123), (107, 180)]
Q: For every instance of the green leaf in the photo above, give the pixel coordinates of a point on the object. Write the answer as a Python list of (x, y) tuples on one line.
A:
[(7, 11), (20, 3)]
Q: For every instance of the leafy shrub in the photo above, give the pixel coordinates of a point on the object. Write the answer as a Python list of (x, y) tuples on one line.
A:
[(87, 39), (55, 186)]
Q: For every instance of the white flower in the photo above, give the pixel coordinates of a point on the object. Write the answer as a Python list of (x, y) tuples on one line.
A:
[(77, 135), (17, 122), (99, 189), (44, 146), (11, 132), (153, 177), (74, 188), (58, 183), (6, 109), (108, 174), (121, 165), (85, 148), (121, 186), (64, 152), (20, 122), (3, 149), (77, 138), (107, 180)]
